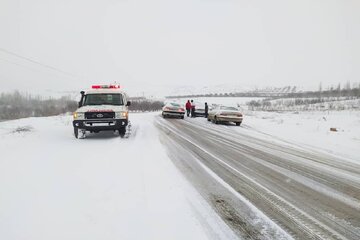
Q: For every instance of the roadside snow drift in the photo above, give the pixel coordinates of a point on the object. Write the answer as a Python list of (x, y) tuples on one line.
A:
[(53, 186), (310, 130)]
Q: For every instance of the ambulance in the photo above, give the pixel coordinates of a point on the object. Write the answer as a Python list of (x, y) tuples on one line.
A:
[(102, 108)]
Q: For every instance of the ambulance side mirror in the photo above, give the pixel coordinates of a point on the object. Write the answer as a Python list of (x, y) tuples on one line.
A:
[(82, 99), (128, 103)]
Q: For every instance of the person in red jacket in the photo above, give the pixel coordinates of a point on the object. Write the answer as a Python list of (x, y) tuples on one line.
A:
[(188, 108)]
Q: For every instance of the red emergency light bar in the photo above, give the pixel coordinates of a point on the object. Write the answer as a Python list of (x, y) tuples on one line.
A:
[(105, 86)]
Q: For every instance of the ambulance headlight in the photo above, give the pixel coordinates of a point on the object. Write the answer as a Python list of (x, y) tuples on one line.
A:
[(78, 115), (121, 114)]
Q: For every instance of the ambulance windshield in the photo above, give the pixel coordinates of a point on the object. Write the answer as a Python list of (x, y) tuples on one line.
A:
[(103, 99)]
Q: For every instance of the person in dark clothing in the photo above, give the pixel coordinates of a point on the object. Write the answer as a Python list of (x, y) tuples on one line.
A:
[(188, 108), (192, 109), (206, 110)]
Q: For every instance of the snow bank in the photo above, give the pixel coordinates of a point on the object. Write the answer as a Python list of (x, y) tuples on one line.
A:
[(310, 129), (53, 186)]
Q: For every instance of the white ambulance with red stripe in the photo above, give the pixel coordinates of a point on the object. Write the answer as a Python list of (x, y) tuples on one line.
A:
[(102, 108)]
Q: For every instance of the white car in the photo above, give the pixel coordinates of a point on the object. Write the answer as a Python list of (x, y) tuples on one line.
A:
[(221, 114), (172, 109), (104, 107)]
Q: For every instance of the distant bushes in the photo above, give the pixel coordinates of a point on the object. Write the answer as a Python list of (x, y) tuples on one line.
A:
[(338, 98), (145, 105), (305, 104), (16, 105), (346, 90)]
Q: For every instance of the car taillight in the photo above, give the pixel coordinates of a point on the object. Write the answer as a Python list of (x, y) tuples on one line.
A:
[(181, 110), (167, 109), (239, 115)]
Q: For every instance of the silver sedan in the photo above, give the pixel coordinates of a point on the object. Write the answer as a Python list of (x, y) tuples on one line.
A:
[(222, 114), (173, 110)]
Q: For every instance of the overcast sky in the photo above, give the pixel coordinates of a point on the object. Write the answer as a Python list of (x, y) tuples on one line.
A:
[(147, 45)]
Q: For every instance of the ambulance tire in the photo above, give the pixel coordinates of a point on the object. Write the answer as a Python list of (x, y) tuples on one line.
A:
[(76, 132), (122, 132)]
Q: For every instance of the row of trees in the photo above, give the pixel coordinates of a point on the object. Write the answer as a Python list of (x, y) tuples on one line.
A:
[(347, 90), (16, 105), (304, 104), (145, 105), (237, 94)]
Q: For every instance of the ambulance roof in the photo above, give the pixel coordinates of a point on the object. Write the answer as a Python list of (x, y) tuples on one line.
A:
[(102, 90), (106, 89)]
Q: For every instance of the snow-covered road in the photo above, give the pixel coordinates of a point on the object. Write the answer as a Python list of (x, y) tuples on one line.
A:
[(309, 194), (53, 186)]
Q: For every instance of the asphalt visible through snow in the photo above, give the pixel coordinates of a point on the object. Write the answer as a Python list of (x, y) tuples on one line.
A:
[(264, 189)]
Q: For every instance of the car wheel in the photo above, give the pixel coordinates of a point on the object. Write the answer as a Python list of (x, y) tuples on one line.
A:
[(215, 120), (208, 119), (238, 123), (182, 117)]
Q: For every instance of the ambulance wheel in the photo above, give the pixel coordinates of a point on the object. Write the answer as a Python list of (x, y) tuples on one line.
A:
[(122, 132), (76, 132)]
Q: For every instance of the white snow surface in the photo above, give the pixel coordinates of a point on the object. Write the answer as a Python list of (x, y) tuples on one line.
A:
[(309, 130), (53, 186)]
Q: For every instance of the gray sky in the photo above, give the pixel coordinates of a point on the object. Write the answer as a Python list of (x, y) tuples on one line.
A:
[(158, 46)]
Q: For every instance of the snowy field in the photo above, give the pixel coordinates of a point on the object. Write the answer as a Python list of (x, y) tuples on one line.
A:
[(310, 130), (53, 186)]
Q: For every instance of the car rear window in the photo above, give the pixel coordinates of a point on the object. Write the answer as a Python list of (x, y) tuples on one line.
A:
[(175, 104), (229, 108)]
